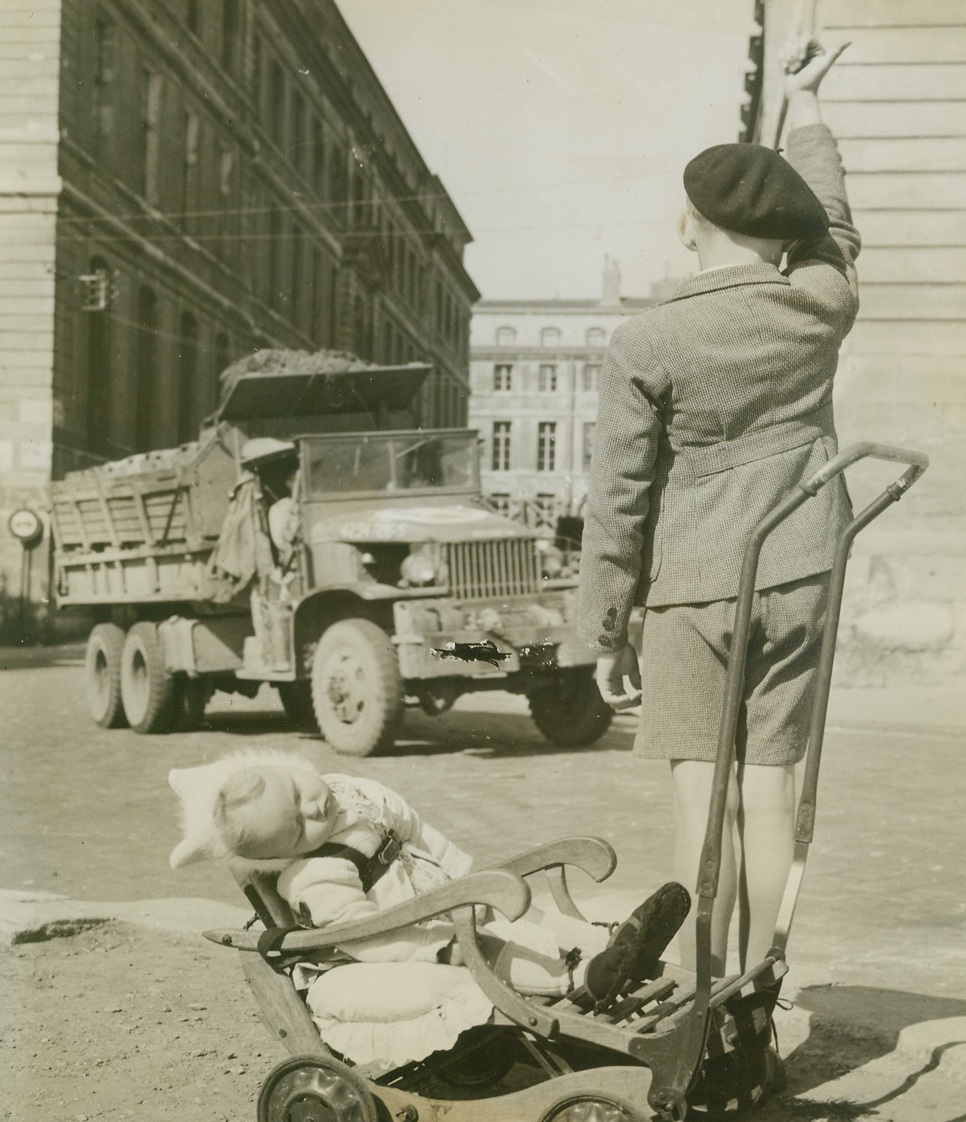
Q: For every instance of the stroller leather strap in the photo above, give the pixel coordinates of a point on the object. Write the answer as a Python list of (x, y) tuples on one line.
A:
[(370, 869)]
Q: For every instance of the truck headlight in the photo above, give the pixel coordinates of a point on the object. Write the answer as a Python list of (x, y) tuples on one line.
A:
[(551, 559), (421, 567)]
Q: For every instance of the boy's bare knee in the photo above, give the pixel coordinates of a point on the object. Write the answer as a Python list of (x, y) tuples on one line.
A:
[(767, 787)]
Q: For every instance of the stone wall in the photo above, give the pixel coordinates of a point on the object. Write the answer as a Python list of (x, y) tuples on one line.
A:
[(29, 185), (894, 101)]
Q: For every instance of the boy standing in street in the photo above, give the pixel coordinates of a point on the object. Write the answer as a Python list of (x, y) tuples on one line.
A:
[(713, 406)]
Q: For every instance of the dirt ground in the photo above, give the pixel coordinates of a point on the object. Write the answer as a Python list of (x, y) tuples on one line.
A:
[(119, 1021)]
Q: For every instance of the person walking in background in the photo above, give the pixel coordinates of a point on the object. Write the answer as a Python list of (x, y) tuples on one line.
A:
[(713, 406)]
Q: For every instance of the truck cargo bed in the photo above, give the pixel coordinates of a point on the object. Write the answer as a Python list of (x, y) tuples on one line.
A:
[(142, 529)]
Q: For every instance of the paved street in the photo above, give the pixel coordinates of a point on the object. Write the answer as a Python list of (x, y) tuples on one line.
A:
[(879, 935)]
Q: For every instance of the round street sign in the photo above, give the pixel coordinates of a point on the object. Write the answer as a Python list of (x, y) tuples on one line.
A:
[(26, 525)]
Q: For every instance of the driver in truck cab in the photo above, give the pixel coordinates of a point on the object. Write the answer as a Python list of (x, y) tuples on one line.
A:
[(272, 465)]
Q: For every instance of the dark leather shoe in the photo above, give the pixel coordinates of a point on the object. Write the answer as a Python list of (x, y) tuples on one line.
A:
[(635, 949)]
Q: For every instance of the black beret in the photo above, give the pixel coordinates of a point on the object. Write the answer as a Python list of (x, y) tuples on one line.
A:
[(753, 190)]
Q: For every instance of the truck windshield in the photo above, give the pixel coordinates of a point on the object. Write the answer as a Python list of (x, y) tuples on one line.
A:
[(391, 462)]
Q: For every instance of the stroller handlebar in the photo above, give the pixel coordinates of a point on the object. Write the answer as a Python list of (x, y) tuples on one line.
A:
[(866, 449)]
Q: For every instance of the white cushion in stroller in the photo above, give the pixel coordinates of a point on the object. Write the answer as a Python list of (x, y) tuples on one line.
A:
[(393, 1013)]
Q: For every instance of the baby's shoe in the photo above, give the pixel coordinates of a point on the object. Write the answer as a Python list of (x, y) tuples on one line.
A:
[(635, 949)]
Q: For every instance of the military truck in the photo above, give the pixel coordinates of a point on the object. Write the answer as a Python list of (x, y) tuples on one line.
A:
[(395, 586)]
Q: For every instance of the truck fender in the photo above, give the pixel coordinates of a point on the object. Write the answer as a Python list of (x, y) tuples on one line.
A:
[(315, 612)]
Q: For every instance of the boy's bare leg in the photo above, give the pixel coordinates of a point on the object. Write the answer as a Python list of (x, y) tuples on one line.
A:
[(766, 832), (692, 780)]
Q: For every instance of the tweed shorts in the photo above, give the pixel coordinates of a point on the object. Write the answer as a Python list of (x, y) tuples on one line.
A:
[(684, 661)]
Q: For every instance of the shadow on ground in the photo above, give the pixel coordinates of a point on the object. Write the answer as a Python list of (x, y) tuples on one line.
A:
[(850, 1028), (487, 735)]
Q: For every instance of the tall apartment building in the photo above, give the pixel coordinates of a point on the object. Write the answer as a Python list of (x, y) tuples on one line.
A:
[(185, 181), (895, 102), (534, 366)]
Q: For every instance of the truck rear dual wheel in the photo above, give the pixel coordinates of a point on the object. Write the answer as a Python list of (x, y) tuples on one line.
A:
[(102, 672), (357, 690), (147, 686), (570, 711)]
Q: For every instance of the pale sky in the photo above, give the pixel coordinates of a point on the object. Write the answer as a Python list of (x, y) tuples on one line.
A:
[(560, 128)]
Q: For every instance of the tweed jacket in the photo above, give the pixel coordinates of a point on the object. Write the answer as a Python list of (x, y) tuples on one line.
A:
[(713, 406)]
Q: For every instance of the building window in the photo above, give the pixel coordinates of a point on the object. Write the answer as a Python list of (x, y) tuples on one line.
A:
[(548, 377), (595, 336), (550, 337), (339, 178), (189, 166), (146, 372), (503, 376), (188, 396), (505, 336), (546, 446), (588, 444), (316, 298), (276, 108), (226, 213), (226, 169), (362, 328), (257, 74), (501, 446), (151, 86), (99, 380), (590, 376), (105, 35), (299, 151), (332, 306), (221, 364), (275, 258), (359, 201), (229, 34), (318, 157), (298, 303)]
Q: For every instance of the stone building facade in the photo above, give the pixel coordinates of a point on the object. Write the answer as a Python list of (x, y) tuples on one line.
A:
[(894, 101), (534, 366), (185, 181)]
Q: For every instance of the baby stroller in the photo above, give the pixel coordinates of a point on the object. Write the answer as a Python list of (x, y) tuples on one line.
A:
[(682, 1044)]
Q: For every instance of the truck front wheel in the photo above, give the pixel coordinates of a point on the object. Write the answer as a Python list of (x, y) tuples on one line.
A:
[(147, 686), (102, 672), (357, 691), (570, 711)]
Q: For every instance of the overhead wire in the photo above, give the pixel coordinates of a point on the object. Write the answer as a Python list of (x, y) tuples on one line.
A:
[(311, 207)]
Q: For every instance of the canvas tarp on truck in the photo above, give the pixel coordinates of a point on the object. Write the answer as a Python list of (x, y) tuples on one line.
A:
[(301, 391)]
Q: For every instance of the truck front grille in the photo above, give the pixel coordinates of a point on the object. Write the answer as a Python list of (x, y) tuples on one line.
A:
[(491, 569)]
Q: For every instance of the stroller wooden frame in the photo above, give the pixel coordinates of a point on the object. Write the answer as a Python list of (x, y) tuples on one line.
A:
[(645, 1054)]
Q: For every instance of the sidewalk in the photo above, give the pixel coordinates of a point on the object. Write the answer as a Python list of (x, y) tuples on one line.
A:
[(25, 657)]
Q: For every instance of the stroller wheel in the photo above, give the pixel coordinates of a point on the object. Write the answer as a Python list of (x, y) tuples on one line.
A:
[(592, 1108), (314, 1089)]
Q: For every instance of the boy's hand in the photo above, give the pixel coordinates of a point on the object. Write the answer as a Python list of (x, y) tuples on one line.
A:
[(619, 677), (806, 62)]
